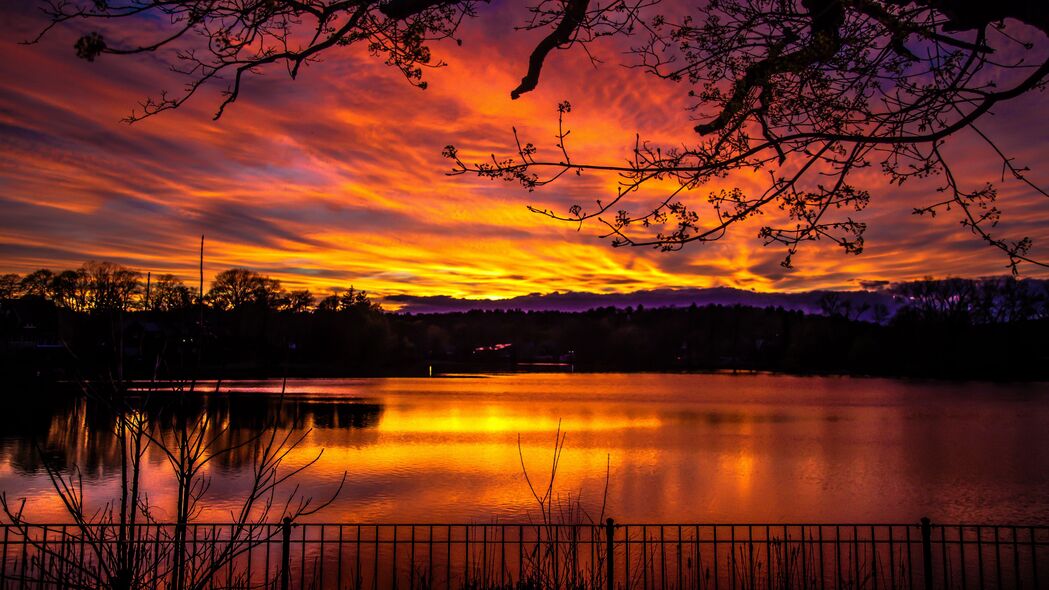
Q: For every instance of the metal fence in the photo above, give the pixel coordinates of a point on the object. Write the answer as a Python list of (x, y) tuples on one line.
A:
[(283, 556)]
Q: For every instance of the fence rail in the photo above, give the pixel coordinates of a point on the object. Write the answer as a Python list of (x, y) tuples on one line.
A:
[(606, 556)]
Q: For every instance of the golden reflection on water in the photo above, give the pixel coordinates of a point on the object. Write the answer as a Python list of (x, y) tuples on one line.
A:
[(678, 448), (494, 419)]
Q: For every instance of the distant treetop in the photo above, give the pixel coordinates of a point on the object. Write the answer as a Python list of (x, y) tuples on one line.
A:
[(105, 286)]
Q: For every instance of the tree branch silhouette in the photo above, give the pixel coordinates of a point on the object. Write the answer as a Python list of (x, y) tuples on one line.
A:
[(807, 91), (810, 92)]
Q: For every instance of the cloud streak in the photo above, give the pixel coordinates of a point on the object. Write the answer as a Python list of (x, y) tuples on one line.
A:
[(337, 178)]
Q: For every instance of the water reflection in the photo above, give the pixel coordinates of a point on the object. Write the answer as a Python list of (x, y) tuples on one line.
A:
[(67, 429), (682, 447)]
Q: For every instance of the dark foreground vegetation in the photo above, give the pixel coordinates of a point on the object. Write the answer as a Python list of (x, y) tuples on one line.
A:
[(67, 324)]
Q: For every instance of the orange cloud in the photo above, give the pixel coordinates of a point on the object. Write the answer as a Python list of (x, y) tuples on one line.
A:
[(337, 178)]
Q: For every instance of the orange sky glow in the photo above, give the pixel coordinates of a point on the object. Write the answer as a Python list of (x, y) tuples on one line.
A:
[(337, 178)]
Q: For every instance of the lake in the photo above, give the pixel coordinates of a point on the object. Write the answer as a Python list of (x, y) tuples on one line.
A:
[(677, 448)]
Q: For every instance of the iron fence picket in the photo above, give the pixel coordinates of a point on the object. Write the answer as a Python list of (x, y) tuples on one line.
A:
[(563, 556)]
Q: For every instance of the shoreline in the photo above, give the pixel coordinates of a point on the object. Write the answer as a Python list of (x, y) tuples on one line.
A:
[(138, 383)]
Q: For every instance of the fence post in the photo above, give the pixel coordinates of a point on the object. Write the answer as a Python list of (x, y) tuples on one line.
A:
[(927, 551), (285, 554), (610, 531)]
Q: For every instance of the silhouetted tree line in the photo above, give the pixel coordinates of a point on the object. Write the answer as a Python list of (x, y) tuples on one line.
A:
[(104, 286), (107, 316)]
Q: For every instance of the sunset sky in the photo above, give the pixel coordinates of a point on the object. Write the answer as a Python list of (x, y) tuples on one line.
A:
[(337, 177)]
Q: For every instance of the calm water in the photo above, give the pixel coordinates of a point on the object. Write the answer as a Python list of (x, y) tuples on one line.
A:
[(681, 448)]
